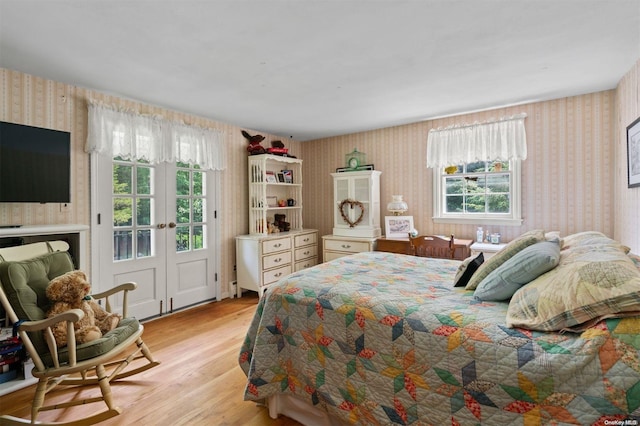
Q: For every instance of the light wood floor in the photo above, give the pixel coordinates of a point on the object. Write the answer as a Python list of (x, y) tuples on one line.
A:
[(198, 381)]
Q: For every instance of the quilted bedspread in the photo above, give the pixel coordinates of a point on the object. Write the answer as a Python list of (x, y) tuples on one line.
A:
[(382, 338)]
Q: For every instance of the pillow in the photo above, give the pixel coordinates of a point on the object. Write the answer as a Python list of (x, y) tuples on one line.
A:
[(585, 287), (466, 269), (523, 267), (588, 240), (523, 241)]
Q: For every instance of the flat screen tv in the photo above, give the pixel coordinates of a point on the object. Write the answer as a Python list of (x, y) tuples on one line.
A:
[(35, 164)]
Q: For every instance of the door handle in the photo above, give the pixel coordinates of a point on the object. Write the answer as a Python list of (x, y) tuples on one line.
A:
[(161, 226), (172, 225)]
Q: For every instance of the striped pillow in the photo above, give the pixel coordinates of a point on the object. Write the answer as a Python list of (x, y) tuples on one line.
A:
[(491, 264)]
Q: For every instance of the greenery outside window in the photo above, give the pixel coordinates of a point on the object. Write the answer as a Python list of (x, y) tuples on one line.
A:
[(482, 192)]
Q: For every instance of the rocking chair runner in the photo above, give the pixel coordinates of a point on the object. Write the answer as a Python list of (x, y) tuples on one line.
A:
[(432, 246), (22, 294)]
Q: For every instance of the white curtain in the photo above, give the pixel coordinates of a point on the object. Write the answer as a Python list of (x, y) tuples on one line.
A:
[(154, 139), (504, 139)]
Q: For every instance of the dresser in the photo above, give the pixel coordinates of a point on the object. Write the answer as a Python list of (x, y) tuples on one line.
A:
[(262, 260), (335, 246), (402, 246)]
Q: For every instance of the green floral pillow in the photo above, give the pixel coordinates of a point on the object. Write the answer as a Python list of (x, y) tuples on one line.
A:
[(491, 264)]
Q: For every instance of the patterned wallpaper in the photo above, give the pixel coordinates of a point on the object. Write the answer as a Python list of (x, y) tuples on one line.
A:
[(34, 101), (577, 154), (627, 206), (566, 182)]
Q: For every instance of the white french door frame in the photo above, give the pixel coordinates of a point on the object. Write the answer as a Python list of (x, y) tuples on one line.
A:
[(102, 273)]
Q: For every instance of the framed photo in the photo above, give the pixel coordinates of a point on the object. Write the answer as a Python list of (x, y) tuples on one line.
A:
[(281, 177), (272, 201), (288, 176), (271, 177), (398, 226), (633, 153), (348, 169)]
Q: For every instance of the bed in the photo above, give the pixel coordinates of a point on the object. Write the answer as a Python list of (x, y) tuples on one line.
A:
[(384, 338)]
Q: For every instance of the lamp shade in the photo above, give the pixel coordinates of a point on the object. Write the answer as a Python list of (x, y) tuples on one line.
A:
[(397, 206)]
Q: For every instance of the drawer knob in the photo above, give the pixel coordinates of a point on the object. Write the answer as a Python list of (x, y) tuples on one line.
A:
[(277, 245), (306, 252), (346, 246), (279, 274), (305, 240), (278, 260)]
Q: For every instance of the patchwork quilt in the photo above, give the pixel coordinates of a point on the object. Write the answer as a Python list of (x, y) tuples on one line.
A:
[(381, 338)]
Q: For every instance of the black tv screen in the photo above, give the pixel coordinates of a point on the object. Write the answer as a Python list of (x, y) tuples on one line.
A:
[(35, 164)]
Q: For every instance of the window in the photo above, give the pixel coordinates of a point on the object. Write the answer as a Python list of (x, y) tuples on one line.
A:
[(482, 192)]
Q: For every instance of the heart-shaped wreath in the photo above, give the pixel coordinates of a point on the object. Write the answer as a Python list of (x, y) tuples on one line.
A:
[(352, 204)]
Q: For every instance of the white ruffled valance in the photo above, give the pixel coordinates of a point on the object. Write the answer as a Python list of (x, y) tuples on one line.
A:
[(153, 139), (504, 139)]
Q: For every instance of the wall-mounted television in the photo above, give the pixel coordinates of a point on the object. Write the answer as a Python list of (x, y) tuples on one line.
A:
[(35, 164)]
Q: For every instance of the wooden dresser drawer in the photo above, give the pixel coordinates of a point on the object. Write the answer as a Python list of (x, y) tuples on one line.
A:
[(269, 277), (307, 263), (306, 252), (306, 239), (347, 246), (277, 259), (279, 244)]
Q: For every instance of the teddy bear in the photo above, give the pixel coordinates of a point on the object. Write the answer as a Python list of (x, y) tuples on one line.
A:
[(71, 291)]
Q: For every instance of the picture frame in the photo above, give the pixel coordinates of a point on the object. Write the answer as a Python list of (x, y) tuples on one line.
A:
[(272, 201), (633, 154), (288, 176), (271, 178), (280, 177), (359, 169), (398, 226)]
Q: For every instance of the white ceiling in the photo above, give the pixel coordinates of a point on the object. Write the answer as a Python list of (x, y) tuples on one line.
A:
[(316, 68)]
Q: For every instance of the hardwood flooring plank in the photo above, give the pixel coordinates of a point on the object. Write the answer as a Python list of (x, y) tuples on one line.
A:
[(198, 382)]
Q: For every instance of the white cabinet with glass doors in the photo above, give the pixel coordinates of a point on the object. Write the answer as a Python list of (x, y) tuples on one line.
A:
[(356, 198)]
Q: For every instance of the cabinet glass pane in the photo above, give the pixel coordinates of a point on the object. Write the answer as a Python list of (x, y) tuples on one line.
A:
[(361, 189)]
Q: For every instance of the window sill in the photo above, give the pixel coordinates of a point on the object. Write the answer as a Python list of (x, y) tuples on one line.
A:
[(479, 221)]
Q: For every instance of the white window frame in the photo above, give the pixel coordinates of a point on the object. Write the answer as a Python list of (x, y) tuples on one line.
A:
[(514, 218)]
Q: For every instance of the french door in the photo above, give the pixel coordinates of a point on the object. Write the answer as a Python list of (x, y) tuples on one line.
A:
[(154, 224)]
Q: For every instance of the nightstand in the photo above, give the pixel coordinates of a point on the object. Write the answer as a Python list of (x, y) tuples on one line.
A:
[(401, 246), (487, 249)]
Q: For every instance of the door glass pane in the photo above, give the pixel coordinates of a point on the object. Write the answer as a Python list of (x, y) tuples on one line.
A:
[(198, 237), (145, 248), (122, 245), (144, 180), (182, 238), (198, 209), (132, 203), (122, 211), (198, 189), (183, 212), (144, 211), (122, 179), (191, 214), (182, 182)]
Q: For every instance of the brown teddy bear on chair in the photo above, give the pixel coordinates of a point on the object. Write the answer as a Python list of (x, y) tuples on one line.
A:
[(71, 291)]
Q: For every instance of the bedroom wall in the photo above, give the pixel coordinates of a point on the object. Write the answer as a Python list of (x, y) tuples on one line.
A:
[(567, 177), (627, 200), (26, 99)]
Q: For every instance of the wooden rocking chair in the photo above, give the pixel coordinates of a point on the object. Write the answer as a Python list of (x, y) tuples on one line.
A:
[(22, 294), (432, 246)]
